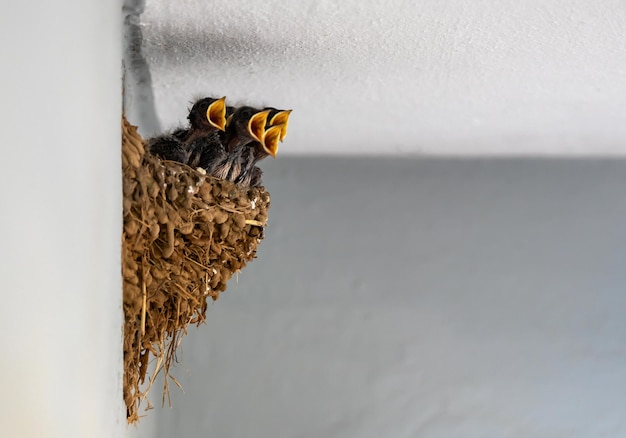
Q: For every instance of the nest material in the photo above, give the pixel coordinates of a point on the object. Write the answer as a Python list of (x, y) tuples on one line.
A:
[(185, 234)]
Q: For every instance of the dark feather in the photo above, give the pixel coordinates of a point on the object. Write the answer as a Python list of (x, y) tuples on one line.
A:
[(168, 147)]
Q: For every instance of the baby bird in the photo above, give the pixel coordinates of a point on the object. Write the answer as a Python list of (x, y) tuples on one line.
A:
[(245, 125), (226, 141), (240, 165), (206, 117), (168, 147), (250, 173)]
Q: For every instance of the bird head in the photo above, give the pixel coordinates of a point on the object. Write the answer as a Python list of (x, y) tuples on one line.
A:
[(247, 124), (208, 114)]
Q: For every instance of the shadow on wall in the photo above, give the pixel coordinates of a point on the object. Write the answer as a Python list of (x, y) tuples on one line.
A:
[(138, 105), (177, 46)]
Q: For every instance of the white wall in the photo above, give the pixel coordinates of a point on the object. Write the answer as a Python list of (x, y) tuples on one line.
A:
[(418, 298), (60, 226), (457, 77)]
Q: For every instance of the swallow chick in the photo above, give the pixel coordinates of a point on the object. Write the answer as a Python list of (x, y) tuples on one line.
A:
[(206, 117), (245, 129), (168, 147), (245, 125), (250, 174), (240, 165)]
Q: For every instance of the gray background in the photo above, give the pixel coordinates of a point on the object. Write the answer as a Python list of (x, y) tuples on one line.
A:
[(418, 298)]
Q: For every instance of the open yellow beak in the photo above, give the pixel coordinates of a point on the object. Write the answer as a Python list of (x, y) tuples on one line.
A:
[(256, 125), (281, 118), (270, 140), (216, 113)]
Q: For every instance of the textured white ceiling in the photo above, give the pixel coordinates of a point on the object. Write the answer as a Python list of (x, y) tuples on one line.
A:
[(460, 77)]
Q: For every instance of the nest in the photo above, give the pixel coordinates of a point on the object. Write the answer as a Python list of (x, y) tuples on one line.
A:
[(185, 234)]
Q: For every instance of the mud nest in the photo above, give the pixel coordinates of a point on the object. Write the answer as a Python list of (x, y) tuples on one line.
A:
[(185, 234)]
